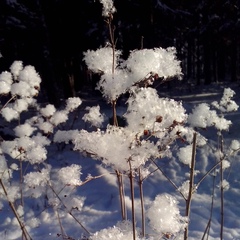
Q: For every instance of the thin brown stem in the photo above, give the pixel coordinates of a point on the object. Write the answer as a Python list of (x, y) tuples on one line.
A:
[(207, 229), (60, 224), (131, 177), (14, 96), (222, 189), (140, 182), (191, 183), (21, 224), (121, 194), (69, 212), (172, 183)]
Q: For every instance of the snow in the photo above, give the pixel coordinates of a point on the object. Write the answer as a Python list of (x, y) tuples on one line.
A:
[(61, 178), (97, 200)]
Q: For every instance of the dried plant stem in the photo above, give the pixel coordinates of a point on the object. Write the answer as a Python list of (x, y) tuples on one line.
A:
[(191, 183), (60, 224), (21, 182), (207, 229), (14, 96), (25, 233), (69, 212), (131, 177), (121, 194), (222, 188), (172, 183), (140, 183)]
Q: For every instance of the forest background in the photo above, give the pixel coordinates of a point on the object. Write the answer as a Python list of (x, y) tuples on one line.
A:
[(52, 36)]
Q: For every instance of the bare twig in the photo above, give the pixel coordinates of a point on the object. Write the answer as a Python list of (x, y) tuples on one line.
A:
[(222, 188), (121, 194), (207, 229), (140, 183), (60, 224), (172, 183), (21, 224), (131, 177), (69, 212), (191, 183)]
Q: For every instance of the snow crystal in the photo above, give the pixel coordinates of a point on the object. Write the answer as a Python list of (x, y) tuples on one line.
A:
[(21, 89), (185, 155), (14, 166), (24, 130), (6, 77), (70, 175), (46, 127), (122, 231), (101, 60), (162, 62), (9, 114), (203, 117), (73, 103), (113, 85), (225, 164), (59, 117), (10, 148), (13, 193), (94, 116), (108, 7), (184, 189), (226, 104), (4, 87), (20, 105), (15, 68), (164, 215), (3, 164), (73, 202), (225, 185), (30, 76), (200, 116), (98, 145), (235, 145), (25, 143), (41, 140), (48, 111), (40, 178), (145, 107), (38, 154), (65, 136)]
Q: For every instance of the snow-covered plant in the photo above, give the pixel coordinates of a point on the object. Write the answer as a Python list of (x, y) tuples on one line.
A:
[(153, 126), (164, 215)]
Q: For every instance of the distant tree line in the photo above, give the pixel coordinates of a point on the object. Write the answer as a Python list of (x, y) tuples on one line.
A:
[(52, 35)]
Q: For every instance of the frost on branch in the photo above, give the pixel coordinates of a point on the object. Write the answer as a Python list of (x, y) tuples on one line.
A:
[(164, 215), (108, 7), (162, 62), (122, 231), (94, 116), (226, 103), (146, 113), (185, 155), (99, 146), (146, 110), (101, 60), (40, 178), (70, 175), (141, 65), (203, 117), (22, 83)]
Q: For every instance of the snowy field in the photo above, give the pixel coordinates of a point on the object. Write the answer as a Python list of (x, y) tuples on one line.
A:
[(94, 205)]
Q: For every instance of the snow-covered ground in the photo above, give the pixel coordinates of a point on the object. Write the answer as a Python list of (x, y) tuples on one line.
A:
[(95, 205)]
